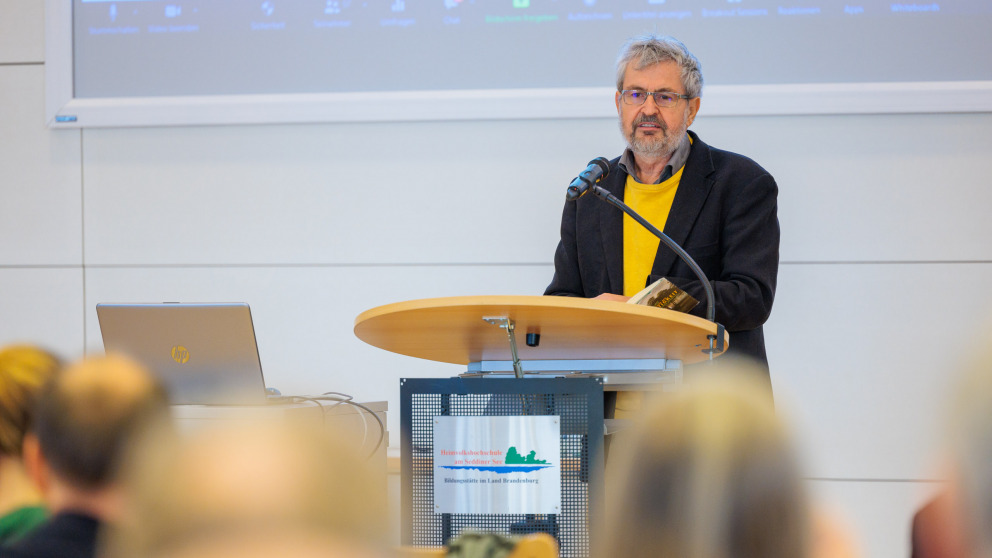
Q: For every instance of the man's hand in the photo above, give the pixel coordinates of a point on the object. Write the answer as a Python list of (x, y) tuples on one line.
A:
[(613, 297)]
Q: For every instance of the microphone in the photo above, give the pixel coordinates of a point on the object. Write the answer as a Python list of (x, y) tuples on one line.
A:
[(597, 170)]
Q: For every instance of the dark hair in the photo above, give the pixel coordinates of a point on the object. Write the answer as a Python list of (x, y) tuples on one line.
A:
[(87, 414)]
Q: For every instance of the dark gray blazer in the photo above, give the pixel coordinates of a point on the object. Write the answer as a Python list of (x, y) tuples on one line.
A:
[(724, 214)]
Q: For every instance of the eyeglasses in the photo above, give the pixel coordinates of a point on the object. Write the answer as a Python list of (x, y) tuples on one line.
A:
[(663, 99)]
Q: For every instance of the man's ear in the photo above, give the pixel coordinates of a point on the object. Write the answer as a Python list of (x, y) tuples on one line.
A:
[(34, 463), (693, 110)]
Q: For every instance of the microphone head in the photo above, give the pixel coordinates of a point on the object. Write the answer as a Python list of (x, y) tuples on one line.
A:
[(596, 170), (603, 163)]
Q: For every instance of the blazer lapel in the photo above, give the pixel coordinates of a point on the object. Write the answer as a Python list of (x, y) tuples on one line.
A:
[(693, 189), (611, 228)]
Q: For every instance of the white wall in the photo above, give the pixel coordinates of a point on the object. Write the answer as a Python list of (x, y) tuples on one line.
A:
[(313, 224)]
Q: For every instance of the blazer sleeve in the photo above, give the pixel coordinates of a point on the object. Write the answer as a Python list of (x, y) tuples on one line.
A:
[(743, 269), (567, 280)]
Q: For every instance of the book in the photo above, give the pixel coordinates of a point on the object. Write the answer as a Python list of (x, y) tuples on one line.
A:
[(664, 294)]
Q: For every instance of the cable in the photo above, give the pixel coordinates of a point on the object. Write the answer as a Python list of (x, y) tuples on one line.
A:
[(299, 398), (342, 399), (365, 421), (382, 427), (339, 399)]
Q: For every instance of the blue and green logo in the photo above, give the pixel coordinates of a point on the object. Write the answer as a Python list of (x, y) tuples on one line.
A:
[(513, 463)]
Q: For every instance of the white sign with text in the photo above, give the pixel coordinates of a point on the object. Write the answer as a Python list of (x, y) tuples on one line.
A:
[(497, 465)]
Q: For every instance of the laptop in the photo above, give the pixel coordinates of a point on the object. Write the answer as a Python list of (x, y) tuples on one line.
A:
[(204, 354)]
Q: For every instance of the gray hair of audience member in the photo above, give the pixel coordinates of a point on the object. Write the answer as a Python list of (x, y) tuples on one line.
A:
[(647, 50), (970, 444), (268, 481), (89, 412), (710, 472)]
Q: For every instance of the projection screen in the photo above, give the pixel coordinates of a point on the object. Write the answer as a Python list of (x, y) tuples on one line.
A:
[(176, 62)]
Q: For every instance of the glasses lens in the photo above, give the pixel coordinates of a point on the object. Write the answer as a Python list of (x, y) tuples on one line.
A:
[(634, 96), (665, 99)]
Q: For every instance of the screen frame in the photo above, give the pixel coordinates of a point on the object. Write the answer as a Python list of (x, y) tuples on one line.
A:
[(64, 110)]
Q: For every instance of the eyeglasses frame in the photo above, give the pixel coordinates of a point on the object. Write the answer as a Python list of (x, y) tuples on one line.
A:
[(653, 94)]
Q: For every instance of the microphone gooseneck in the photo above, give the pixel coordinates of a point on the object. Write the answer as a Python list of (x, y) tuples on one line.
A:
[(597, 170)]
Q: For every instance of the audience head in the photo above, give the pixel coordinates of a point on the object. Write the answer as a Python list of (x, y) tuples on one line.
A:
[(86, 416), (970, 437), (708, 473), (268, 486), (24, 369)]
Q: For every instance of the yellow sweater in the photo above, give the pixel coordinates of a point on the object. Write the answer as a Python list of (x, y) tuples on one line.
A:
[(653, 202)]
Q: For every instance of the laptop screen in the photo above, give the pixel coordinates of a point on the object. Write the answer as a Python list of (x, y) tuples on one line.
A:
[(204, 353)]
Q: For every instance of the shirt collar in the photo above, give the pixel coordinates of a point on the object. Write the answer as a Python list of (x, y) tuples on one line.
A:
[(676, 162)]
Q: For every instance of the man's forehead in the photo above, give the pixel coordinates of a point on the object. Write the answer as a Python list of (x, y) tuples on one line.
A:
[(666, 70)]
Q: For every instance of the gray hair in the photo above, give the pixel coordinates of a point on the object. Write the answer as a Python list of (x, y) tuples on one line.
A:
[(648, 50)]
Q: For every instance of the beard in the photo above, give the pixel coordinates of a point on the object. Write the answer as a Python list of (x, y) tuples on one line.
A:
[(658, 145)]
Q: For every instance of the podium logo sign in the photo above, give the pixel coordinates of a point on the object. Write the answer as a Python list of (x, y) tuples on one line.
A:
[(497, 465)]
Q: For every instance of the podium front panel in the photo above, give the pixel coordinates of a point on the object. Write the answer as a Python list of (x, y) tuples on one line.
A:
[(577, 407)]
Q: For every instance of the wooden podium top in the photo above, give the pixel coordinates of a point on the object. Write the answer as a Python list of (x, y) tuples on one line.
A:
[(452, 329)]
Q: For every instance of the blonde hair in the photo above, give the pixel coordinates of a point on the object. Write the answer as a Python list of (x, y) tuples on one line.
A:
[(24, 369), (710, 473), (261, 481)]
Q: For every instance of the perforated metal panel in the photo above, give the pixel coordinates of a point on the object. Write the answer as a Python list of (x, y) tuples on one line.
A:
[(579, 404)]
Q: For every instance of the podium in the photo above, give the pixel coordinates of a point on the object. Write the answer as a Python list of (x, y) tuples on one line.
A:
[(627, 345), (573, 350)]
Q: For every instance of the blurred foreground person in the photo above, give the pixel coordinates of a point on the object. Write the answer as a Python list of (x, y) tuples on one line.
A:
[(937, 529), (23, 370), (710, 472), (268, 488), (85, 417), (956, 524)]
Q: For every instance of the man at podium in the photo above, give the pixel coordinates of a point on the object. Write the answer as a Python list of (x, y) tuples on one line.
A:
[(720, 206)]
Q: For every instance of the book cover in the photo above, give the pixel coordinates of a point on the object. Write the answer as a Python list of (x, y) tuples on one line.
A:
[(664, 294)]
